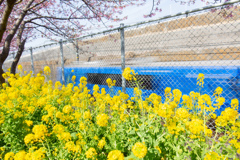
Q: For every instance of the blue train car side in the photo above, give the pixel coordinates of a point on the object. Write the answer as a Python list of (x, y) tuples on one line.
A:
[(156, 79)]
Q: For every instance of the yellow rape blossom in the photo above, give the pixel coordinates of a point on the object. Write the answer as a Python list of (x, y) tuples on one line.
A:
[(139, 150), (20, 155), (218, 91), (83, 82), (87, 115), (165, 110), (40, 131), (95, 137), (91, 153), (200, 79), (82, 126), (58, 84), (66, 117), (212, 156), (113, 128), (196, 126), (47, 70), (187, 101), (177, 94), (71, 147), (101, 143), (20, 68), (154, 98), (220, 101), (234, 104), (58, 129), (102, 120), (182, 113), (115, 155), (159, 150), (64, 136), (110, 82), (137, 92), (37, 155), (73, 78), (129, 74), (28, 122), (67, 109), (167, 90), (229, 115), (9, 156), (29, 138), (96, 88)]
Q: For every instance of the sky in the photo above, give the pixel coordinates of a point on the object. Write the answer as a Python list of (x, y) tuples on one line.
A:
[(135, 15)]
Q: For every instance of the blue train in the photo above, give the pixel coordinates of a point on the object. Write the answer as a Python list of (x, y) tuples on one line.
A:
[(156, 79)]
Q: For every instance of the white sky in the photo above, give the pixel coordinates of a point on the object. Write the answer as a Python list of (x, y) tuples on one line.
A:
[(135, 15)]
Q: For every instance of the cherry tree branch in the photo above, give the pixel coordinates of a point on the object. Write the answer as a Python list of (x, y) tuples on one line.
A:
[(53, 17), (57, 31), (152, 7), (36, 5), (18, 2), (94, 11), (91, 8), (76, 10), (46, 34)]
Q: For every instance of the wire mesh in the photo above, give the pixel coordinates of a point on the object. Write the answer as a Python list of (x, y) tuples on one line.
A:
[(99, 58), (168, 52), (175, 50)]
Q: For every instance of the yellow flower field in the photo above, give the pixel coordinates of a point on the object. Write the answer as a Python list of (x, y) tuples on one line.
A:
[(42, 120)]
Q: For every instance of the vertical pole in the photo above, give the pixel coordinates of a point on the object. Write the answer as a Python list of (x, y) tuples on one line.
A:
[(77, 57), (77, 50), (62, 60), (31, 52), (123, 56)]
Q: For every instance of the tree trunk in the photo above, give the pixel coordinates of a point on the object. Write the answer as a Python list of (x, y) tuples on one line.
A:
[(6, 14), (7, 43), (18, 56), (2, 80)]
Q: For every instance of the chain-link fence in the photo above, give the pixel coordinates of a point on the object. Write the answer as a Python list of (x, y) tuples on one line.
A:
[(172, 52), (167, 52)]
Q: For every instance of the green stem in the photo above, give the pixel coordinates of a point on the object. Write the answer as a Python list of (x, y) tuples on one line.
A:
[(140, 98), (49, 151), (214, 140)]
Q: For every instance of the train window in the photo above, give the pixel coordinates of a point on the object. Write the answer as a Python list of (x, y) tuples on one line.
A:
[(100, 79)]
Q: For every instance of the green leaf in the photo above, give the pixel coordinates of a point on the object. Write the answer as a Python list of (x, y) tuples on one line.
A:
[(74, 136), (131, 156), (156, 130)]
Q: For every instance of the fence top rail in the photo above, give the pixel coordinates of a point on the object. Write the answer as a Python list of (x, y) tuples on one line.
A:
[(140, 23)]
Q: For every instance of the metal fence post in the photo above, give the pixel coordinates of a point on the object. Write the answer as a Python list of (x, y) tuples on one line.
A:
[(31, 52), (77, 50), (62, 60), (123, 56)]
